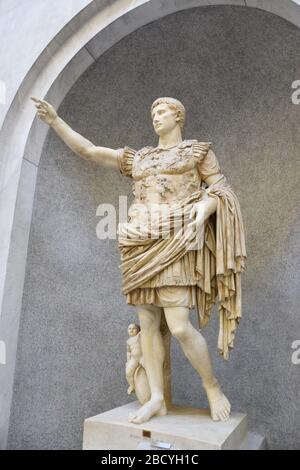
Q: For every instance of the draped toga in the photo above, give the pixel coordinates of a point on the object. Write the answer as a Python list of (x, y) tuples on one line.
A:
[(161, 263)]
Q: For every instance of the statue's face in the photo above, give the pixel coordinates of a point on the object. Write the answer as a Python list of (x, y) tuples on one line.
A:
[(132, 330), (164, 118)]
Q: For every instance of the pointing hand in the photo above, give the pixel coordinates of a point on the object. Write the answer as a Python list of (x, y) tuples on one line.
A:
[(45, 111)]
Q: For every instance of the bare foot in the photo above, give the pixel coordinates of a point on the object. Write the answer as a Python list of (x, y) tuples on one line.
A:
[(130, 389), (153, 407), (218, 403)]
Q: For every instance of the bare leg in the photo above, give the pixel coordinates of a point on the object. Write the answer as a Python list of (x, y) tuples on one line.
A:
[(153, 353), (131, 367), (195, 349)]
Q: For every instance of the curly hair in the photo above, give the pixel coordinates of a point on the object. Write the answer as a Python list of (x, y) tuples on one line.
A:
[(174, 104)]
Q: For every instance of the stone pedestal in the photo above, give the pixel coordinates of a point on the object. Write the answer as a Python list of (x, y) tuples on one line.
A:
[(181, 429)]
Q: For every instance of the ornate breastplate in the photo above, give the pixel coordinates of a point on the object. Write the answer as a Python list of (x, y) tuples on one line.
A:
[(154, 160), (165, 176)]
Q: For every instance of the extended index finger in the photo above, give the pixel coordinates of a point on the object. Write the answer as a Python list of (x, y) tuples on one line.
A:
[(36, 100)]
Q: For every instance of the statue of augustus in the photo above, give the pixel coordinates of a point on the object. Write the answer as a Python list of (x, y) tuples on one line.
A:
[(191, 254)]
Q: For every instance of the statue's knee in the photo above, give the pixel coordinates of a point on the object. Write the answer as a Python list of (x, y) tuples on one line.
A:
[(148, 321), (180, 332)]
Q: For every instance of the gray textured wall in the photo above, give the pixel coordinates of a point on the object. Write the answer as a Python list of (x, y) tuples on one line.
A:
[(233, 69)]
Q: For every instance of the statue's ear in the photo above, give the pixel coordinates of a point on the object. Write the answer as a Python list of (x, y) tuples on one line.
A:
[(177, 118)]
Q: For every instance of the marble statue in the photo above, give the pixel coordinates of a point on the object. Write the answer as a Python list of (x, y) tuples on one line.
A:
[(190, 257), (134, 355), (135, 367)]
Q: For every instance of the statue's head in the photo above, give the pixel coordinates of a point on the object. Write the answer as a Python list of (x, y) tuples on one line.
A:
[(167, 113), (133, 330)]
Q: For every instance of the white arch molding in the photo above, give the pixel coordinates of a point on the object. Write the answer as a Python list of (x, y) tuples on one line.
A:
[(96, 27)]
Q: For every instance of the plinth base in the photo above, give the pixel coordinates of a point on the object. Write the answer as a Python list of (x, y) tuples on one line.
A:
[(181, 429)]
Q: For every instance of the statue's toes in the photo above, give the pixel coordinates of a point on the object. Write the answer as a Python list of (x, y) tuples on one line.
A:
[(132, 417), (224, 416), (136, 420)]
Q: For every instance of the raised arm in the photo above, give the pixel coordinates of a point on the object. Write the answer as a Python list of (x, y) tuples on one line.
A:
[(76, 142)]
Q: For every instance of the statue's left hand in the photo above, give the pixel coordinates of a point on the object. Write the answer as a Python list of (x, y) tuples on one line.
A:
[(198, 215), (202, 210)]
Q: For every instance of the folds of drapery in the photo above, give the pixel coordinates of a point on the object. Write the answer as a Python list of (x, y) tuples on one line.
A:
[(222, 261), (219, 261)]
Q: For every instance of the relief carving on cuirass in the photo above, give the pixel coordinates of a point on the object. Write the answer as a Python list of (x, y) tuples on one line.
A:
[(170, 174), (154, 160)]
